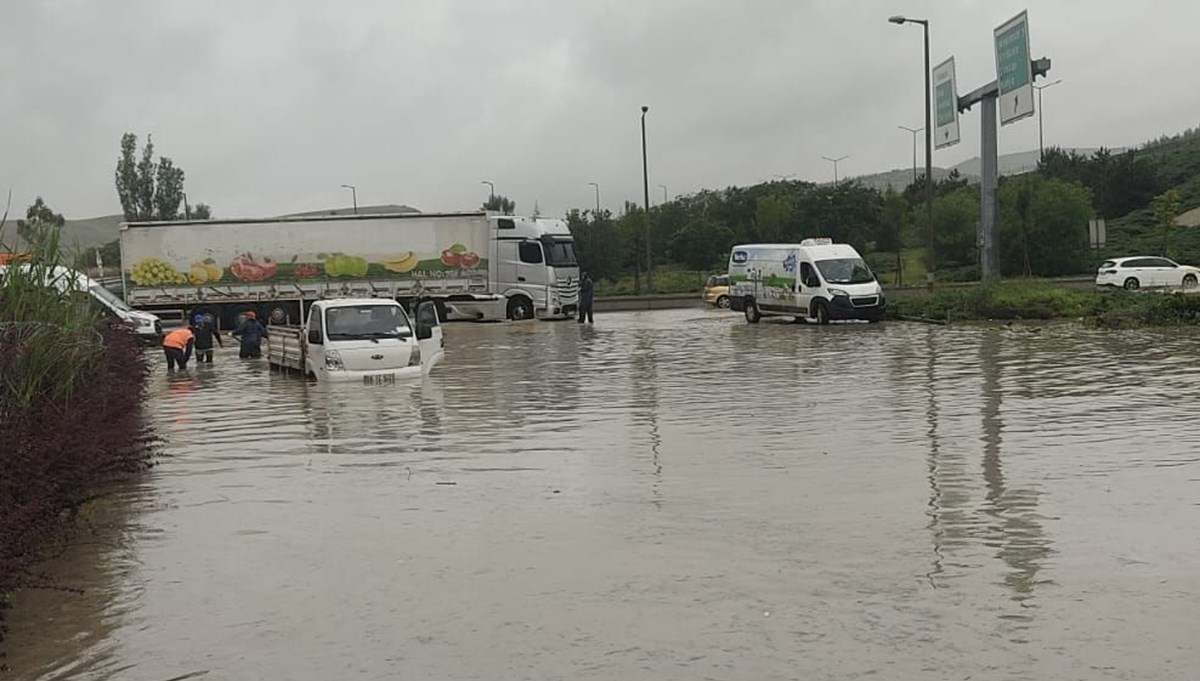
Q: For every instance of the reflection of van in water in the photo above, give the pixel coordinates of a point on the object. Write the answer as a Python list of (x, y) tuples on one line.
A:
[(815, 279)]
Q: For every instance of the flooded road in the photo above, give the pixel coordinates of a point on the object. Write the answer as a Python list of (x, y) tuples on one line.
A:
[(670, 495)]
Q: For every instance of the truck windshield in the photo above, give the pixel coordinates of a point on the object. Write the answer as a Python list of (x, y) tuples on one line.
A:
[(559, 252), (366, 322), (845, 271), (109, 298)]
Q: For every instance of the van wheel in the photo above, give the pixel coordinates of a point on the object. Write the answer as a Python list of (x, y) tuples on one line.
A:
[(520, 308), (753, 316), (723, 302), (821, 312)]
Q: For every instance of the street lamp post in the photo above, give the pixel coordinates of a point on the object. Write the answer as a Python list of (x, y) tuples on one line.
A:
[(353, 195), (646, 196), (930, 262), (597, 186), (1041, 139), (835, 161), (914, 132), (664, 188), (187, 214), (491, 189)]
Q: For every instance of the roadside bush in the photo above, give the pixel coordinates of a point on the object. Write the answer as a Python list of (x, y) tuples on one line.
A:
[(71, 389)]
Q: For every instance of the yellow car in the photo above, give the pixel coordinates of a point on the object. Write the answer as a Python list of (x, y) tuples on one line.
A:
[(716, 291)]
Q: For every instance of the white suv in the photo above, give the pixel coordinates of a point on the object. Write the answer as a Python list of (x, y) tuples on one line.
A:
[(1138, 272)]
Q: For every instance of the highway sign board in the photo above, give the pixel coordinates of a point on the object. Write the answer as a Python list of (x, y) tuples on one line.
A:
[(1014, 73), (945, 100)]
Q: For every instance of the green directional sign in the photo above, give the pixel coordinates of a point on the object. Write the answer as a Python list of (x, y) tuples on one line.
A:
[(1014, 72), (945, 105)]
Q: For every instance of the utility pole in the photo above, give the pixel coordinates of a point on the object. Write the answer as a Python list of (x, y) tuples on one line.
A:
[(1041, 138), (835, 161), (646, 190), (914, 132)]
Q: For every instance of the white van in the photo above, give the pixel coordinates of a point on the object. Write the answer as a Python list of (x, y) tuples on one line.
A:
[(815, 280), (370, 340), (147, 326)]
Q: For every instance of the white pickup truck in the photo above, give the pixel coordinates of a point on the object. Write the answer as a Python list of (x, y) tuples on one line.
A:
[(367, 340)]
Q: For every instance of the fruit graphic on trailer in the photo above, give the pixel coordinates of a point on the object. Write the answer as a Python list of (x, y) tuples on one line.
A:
[(400, 264), (251, 268), (452, 257), (469, 260)]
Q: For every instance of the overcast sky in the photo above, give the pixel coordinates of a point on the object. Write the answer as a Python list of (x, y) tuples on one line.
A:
[(270, 106)]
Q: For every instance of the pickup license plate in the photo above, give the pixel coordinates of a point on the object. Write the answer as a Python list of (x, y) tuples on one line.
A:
[(379, 379)]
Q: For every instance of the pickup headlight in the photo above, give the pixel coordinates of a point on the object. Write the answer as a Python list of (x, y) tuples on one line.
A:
[(838, 292), (414, 358), (333, 361)]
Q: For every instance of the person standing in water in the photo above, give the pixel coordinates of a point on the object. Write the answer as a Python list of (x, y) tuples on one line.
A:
[(250, 333), (177, 346), (205, 334), (586, 290)]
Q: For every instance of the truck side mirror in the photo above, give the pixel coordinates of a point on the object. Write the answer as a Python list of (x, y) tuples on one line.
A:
[(427, 318), (314, 337)]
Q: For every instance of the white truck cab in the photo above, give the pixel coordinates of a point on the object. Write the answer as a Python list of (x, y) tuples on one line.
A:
[(536, 268), (147, 326), (367, 340), (815, 280)]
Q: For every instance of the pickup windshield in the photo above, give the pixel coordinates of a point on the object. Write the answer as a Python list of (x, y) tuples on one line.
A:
[(366, 322), (845, 271), (559, 252)]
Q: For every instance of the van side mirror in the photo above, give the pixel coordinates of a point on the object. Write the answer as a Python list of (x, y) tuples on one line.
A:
[(314, 337)]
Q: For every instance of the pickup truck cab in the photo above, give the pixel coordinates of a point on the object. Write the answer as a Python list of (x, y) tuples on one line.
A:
[(366, 340)]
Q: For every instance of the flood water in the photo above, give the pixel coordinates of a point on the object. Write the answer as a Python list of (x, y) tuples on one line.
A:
[(670, 495)]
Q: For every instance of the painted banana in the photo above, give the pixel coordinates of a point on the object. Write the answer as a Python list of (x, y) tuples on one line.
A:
[(404, 263)]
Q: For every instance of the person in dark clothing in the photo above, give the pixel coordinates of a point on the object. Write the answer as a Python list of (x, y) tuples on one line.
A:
[(205, 334), (585, 298), (250, 333)]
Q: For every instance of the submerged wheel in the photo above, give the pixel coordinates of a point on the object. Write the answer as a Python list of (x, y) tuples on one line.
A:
[(520, 308), (723, 302), (1132, 284), (753, 315), (821, 312)]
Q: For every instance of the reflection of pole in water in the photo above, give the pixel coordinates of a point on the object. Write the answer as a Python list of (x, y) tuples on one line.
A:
[(1020, 538), (935, 493), (645, 386)]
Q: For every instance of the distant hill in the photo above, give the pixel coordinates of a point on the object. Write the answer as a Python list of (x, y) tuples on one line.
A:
[(1010, 164), (389, 208)]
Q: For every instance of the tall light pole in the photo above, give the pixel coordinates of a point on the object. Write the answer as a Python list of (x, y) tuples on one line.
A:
[(1041, 139), (187, 215), (664, 188), (646, 190), (835, 161), (914, 132), (930, 262), (597, 186), (353, 195), (491, 189)]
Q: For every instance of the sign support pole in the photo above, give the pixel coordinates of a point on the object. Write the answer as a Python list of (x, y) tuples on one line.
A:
[(989, 258)]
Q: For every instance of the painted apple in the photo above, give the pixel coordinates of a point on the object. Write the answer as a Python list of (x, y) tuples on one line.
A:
[(469, 260), (450, 258), (252, 268)]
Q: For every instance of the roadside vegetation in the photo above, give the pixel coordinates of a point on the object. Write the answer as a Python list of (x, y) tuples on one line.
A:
[(1043, 219), (71, 387), (1040, 300)]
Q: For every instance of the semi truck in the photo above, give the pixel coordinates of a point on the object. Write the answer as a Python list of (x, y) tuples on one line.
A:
[(474, 266)]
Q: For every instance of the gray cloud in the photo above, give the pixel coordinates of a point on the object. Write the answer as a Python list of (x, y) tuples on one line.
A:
[(270, 106)]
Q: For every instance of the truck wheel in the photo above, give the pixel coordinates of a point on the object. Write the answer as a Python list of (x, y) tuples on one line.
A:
[(753, 316), (520, 308)]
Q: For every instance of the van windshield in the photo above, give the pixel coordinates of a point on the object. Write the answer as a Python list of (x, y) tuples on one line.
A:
[(109, 298), (845, 271), (366, 322)]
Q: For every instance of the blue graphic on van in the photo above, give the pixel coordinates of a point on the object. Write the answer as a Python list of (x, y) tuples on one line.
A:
[(789, 263), (739, 256)]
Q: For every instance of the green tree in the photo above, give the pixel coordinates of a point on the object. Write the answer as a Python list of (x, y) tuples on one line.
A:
[(1043, 226), (1166, 208), (41, 224), (770, 214), (110, 255), (147, 189), (954, 227), (596, 243), (702, 244), (200, 211), (501, 204)]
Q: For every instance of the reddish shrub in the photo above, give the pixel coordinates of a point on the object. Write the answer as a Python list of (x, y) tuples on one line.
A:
[(56, 453)]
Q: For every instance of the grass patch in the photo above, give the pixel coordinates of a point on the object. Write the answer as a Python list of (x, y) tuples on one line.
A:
[(1033, 300)]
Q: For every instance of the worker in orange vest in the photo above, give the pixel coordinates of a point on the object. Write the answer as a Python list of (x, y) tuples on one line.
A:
[(177, 346)]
